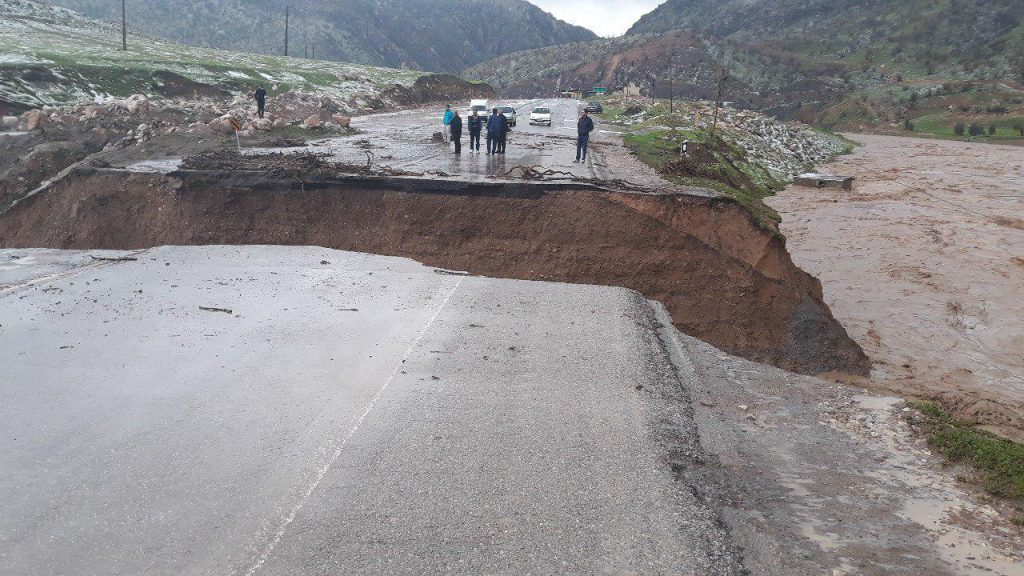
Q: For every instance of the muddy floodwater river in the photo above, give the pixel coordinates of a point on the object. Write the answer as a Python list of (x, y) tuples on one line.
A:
[(923, 263)]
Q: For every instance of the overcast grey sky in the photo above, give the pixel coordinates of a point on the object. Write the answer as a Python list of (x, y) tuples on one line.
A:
[(606, 17)]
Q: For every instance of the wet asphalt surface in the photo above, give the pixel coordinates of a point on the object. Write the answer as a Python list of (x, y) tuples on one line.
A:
[(404, 141), (333, 413)]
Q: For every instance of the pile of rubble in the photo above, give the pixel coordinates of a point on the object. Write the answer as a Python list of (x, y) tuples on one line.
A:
[(784, 148), (140, 118)]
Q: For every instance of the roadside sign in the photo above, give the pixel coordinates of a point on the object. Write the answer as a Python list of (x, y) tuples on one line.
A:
[(237, 126), (599, 90)]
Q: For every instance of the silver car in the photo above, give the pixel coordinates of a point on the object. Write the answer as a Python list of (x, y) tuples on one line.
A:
[(509, 112)]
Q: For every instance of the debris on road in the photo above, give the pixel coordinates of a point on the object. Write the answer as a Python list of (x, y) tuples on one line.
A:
[(114, 258), (213, 309)]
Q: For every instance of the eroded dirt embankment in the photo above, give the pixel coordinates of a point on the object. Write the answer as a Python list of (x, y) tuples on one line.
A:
[(721, 277)]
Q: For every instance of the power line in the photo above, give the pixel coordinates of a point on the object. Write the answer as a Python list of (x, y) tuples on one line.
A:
[(124, 26)]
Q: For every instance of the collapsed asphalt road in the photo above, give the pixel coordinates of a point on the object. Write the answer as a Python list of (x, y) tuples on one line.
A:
[(296, 410), (274, 410)]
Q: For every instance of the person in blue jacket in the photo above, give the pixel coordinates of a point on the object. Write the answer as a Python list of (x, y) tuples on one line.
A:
[(446, 121), (495, 131)]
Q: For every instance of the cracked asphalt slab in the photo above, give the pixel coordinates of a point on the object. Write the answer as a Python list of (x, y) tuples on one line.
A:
[(349, 413), (299, 410), (403, 142)]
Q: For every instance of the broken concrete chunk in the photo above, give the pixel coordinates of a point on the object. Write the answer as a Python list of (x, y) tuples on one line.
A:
[(134, 104), (34, 120), (93, 111)]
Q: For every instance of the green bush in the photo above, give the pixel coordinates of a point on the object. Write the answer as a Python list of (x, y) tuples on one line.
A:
[(958, 129)]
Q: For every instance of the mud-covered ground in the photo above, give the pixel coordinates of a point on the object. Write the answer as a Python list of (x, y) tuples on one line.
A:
[(923, 263)]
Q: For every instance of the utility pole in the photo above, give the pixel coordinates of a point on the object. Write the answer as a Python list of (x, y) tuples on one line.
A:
[(286, 30), (124, 26), (305, 45), (723, 75), (671, 85), (312, 49)]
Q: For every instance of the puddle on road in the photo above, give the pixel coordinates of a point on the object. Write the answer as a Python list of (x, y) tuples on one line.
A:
[(155, 166)]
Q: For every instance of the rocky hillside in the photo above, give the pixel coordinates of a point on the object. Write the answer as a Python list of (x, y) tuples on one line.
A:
[(839, 63), (435, 35), (645, 60), (52, 56), (984, 38)]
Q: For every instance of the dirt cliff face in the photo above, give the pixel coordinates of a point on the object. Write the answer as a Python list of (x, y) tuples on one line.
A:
[(721, 277)]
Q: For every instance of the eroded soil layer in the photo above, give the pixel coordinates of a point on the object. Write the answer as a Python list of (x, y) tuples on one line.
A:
[(722, 278)]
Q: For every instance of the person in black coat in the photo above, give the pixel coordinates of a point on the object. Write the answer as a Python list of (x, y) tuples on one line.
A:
[(456, 128), (584, 127), (503, 139), (476, 125), (260, 96), (494, 126)]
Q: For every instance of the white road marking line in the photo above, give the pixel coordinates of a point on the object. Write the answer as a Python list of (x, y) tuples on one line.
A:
[(269, 549), (51, 278)]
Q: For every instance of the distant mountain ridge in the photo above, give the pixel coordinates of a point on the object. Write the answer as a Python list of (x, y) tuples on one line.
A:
[(983, 37), (432, 35), (834, 62)]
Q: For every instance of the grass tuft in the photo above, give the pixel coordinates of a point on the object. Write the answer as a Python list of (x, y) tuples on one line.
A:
[(999, 461), (722, 167)]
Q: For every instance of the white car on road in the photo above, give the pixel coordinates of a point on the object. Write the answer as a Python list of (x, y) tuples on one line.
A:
[(541, 115)]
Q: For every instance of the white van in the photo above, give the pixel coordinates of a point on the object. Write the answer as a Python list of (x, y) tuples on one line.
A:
[(479, 106)]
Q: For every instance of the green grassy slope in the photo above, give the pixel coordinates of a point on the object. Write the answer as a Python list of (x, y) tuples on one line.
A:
[(50, 55), (435, 35)]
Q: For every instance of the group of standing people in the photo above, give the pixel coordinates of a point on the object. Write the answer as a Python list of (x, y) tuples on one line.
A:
[(498, 129), (496, 124)]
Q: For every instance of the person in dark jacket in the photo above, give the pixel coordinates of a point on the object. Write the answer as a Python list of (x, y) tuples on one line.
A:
[(260, 96), (584, 127), (494, 126), (476, 124), (456, 129), (504, 132)]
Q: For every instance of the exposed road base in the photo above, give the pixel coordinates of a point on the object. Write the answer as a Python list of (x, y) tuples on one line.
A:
[(723, 278), (356, 414)]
